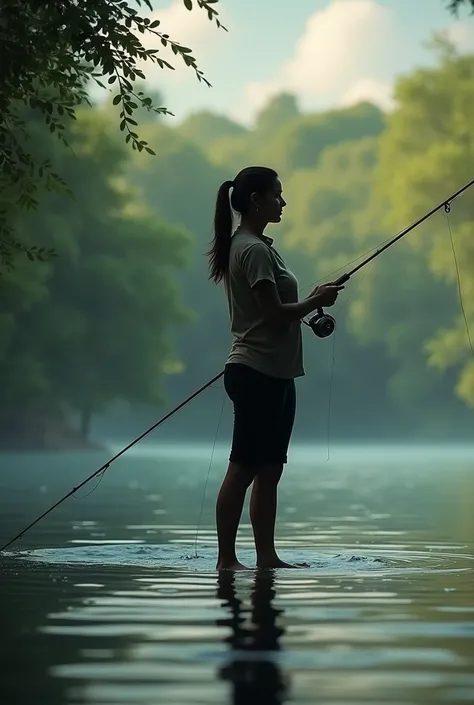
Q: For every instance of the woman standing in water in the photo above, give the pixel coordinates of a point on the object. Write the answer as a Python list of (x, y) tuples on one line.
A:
[(265, 357)]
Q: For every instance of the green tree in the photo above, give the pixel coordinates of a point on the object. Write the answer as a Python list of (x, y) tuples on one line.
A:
[(290, 141), (205, 128), (325, 227), (277, 112), (320, 232), (333, 219), (299, 142), (50, 52), (325, 201), (233, 153), (410, 302), (97, 327), (180, 184)]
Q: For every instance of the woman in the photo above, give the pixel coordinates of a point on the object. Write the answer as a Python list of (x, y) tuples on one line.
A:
[(265, 358)]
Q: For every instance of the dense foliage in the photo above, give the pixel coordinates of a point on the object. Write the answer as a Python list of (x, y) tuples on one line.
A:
[(92, 326), (51, 51), (352, 178), (126, 313)]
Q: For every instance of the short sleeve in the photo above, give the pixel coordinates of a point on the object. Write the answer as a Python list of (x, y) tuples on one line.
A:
[(257, 264)]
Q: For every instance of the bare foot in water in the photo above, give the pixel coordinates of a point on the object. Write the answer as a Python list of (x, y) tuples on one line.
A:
[(278, 563), (236, 565)]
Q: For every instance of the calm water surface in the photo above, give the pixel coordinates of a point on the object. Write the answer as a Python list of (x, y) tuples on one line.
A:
[(112, 599)]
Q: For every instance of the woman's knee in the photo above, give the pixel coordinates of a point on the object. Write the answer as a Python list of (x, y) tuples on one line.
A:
[(270, 473), (242, 473)]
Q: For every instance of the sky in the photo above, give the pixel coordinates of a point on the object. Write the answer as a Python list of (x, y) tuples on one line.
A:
[(328, 53)]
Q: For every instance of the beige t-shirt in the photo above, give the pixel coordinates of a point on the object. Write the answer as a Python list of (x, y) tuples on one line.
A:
[(271, 348)]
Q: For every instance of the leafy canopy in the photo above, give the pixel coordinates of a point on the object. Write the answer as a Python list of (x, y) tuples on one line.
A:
[(454, 5), (51, 51), (93, 327)]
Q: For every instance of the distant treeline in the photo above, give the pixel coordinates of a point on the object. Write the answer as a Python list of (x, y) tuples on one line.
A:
[(124, 322)]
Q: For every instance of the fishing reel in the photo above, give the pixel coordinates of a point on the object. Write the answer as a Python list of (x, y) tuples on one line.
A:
[(322, 324)]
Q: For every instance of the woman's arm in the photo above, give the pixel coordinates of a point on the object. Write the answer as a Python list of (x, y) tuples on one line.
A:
[(274, 310)]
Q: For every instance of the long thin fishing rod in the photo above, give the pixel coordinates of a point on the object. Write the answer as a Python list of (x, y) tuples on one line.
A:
[(106, 465), (344, 278)]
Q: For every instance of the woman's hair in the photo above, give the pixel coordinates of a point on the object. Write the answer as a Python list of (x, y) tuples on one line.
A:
[(252, 179)]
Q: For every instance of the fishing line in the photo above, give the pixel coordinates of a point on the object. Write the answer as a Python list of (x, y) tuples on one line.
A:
[(209, 470), (101, 477), (375, 248), (333, 361), (447, 210), (315, 323), (331, 374), (344, 266)]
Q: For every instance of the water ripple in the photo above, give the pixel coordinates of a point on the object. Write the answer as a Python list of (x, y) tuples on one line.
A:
[(116, 602)]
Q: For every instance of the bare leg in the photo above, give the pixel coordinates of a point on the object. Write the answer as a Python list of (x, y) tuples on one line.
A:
[(263, 509), (230, 502)]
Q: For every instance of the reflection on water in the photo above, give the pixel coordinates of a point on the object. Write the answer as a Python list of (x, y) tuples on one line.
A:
[(251, 668), (112, 601)]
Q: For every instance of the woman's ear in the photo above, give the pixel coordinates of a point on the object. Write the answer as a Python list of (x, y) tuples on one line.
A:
[(254, 200)]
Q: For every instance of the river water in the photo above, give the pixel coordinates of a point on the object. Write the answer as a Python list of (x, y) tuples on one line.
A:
[(113, 598)]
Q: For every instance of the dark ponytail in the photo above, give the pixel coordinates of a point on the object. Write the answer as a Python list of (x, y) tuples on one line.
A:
[(252, 179), (220, 250)]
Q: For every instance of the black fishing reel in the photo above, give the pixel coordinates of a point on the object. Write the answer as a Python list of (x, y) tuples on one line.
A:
[(322, 324)]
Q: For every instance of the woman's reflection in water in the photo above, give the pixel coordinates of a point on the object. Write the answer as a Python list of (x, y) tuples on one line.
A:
[(252, 668)]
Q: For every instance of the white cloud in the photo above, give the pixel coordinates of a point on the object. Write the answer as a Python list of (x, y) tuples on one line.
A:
[(378, 92), (338, 45), (343, 55), (462, 36), (349, 51)]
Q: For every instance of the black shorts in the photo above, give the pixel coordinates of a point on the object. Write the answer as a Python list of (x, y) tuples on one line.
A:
[(264, 414)]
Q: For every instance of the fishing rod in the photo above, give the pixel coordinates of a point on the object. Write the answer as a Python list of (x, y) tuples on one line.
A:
[(106, 465), (322, 324)]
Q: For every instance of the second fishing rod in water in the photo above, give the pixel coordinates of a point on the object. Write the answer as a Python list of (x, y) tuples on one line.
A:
[(321, 323)]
